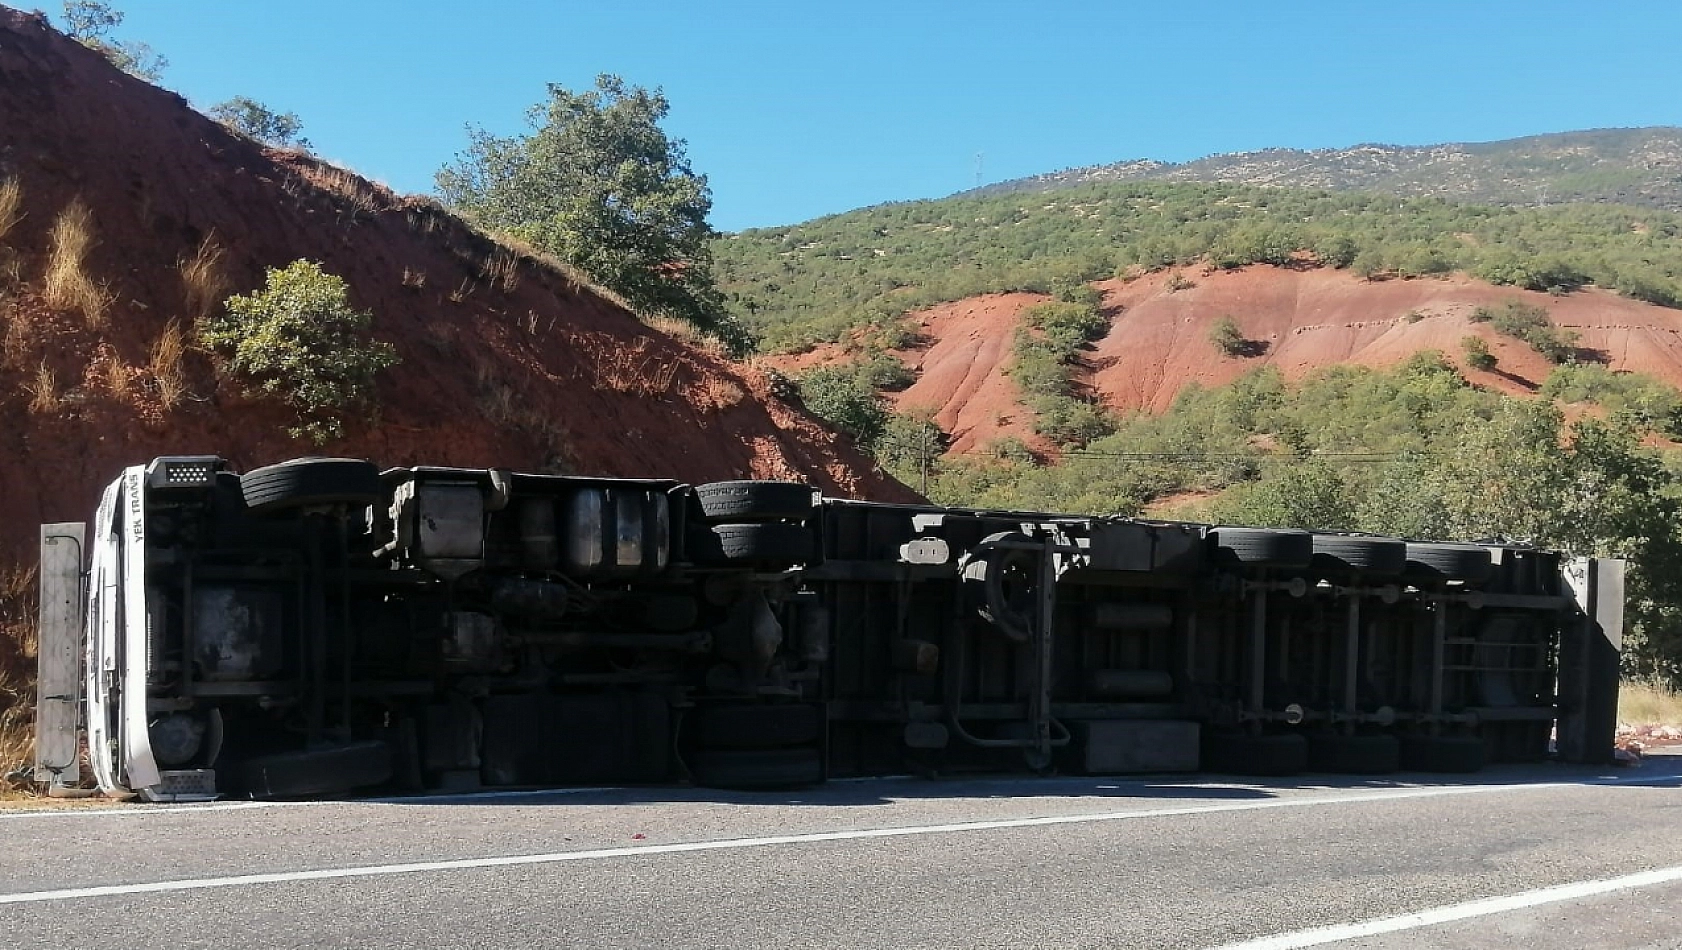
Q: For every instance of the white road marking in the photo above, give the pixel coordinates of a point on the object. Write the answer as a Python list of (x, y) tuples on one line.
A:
[(731, 844), (1442, 915), (441, 799)]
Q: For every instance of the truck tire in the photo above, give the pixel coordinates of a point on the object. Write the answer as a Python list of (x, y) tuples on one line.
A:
[(1265, 547), (324, 771), (1244, 754), (1353, 755), (757, 768), (762, 726), (1459, 754), (1356, 554), (774, 544), (1468, 563), (734, 502), (306, 482), (998, 585)]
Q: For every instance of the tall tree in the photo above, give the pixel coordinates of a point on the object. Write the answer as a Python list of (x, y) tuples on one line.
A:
[(600, 185)]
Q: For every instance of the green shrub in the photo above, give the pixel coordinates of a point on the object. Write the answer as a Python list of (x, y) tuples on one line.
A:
[(1067, 420), (299, 339), (1532, 326), (1477, 353), (843, 397), (1066, 327), (1647, 402), (1226, 336), (1082, 294)]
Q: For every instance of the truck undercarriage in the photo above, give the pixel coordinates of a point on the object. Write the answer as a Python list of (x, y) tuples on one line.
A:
[(319, 626)]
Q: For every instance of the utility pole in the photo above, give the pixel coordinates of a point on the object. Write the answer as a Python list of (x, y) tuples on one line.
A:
[(979, 159)]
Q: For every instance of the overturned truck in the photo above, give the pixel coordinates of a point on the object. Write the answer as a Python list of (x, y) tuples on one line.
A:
[(321, 626)]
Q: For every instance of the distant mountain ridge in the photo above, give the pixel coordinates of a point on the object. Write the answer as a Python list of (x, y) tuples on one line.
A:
[(1640, 166)]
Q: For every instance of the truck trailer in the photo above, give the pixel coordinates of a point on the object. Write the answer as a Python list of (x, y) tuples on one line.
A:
[(324, 627)]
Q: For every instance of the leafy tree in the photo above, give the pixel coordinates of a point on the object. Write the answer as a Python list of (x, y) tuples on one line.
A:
[(251, 118), (911, 446), (600, 185), (299, 339), (90, 23)]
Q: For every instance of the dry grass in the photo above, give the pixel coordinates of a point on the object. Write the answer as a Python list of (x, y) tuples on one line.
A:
[(68, 285), (204, 278), (576, 278), (640, 369), (17, 743), (115, 374), (44, 395), (17, 653), (691, 334), (360, 196), (11, 205), (502, 267), (1642, 705), (16, 340), (165, 366)]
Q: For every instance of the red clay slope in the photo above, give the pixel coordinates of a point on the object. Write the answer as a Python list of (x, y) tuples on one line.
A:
[(1315, 317), (505, 360), (1158, 342)]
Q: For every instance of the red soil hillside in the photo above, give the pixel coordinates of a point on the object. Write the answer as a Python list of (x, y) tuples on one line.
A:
[(960, 371), (506, 360), (1312, 318), (1158, 342)]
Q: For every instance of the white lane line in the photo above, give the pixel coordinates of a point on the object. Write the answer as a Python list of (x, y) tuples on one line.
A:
[(111, 810), (732, 844), (119, 810), (1442, 915)]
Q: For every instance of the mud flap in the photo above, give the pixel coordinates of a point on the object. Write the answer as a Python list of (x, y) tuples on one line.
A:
[(1588, 661), (59, 654)]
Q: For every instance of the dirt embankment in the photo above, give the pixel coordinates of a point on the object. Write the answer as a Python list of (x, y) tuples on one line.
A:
[(1303, 320), (506, 359)]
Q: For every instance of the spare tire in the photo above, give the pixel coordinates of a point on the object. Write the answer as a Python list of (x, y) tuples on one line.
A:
[(307, 482), (723, 502), (751, 544), (1468, 563), (1265, 547), (1360, 554)]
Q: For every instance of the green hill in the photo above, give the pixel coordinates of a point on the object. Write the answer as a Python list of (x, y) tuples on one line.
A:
[(815, 282), (1622, 166)]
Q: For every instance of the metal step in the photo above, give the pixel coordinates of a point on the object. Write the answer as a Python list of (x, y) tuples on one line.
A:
[(185, 785)]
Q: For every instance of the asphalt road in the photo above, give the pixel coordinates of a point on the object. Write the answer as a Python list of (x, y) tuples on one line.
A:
[(1539, 858)]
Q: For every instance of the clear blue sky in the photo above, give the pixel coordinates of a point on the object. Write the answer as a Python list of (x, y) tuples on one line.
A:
[(797, 109)]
